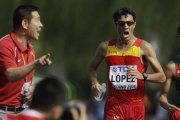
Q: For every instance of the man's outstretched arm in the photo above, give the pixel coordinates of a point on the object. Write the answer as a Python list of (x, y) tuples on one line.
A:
[(18, 73)]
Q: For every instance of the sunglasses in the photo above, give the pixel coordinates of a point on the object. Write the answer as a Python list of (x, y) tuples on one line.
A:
[(122, 23)]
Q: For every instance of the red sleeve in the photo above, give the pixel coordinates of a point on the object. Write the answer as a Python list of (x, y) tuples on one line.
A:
[(7, 55)]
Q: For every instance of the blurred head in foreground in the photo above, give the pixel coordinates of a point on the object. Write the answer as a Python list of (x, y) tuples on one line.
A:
[(49, 97)]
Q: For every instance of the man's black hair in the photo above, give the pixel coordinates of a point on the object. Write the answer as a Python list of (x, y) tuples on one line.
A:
[(123, 11), (48, 93), (23, 12)]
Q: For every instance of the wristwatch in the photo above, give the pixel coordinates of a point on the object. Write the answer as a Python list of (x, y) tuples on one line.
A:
[(145, 75)]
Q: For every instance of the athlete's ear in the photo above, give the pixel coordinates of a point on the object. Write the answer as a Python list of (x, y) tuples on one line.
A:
[(134, 24)]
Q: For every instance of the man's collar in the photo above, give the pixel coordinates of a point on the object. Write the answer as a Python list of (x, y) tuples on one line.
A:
[(18, 44)]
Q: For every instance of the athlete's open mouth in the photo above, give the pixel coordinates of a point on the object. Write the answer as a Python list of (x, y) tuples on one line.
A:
[(126, 34)]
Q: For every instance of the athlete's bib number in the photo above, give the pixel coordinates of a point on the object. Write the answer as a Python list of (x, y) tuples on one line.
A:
[(119, 79)]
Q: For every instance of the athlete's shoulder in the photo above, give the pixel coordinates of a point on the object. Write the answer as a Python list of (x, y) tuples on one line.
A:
[(170, 66), (104, 45), (146, 47), (170, 63), (175, 62), (145, 44), (108, 43)]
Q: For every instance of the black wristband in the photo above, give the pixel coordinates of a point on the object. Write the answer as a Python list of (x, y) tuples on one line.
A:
[(145, 75)]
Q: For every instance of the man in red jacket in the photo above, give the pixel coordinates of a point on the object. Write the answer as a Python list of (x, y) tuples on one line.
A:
[(17, 59)]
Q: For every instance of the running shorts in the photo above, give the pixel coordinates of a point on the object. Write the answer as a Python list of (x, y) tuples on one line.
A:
[(124, 111)]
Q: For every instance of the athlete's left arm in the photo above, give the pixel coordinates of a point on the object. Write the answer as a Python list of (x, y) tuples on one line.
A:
[(170, 72), (148, 52)]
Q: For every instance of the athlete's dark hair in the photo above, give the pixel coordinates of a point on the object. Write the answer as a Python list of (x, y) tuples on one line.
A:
[(23, 12), (123, 11), (49, 93), (179, 30)]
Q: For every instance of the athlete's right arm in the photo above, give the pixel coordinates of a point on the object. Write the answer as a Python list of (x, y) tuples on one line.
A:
[(96, 61), (165, 87), (17, 73)]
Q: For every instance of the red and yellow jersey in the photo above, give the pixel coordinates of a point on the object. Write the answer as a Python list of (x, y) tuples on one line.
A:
[(121, 87)]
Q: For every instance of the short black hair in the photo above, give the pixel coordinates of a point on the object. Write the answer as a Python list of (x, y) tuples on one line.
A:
[(23, 12), (179, 30), (123, 11), (49, 93)]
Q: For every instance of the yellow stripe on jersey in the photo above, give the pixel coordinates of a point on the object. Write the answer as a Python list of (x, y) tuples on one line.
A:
[(114, 51)]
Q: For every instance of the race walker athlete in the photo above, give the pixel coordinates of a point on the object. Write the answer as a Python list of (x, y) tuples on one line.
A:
[(127, 58)]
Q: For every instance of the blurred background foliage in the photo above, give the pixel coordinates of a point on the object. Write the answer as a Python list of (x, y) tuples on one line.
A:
[(73, 29)]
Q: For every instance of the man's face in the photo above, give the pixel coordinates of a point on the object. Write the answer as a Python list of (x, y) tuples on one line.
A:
[(34, 26), (125, 27)]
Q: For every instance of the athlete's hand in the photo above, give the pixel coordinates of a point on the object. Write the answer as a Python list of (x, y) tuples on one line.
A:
[(44, 60), (134, 73), (95, 89), (172, 108)]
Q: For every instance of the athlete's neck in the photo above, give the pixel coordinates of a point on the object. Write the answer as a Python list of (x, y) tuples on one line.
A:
[(125, 43)]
